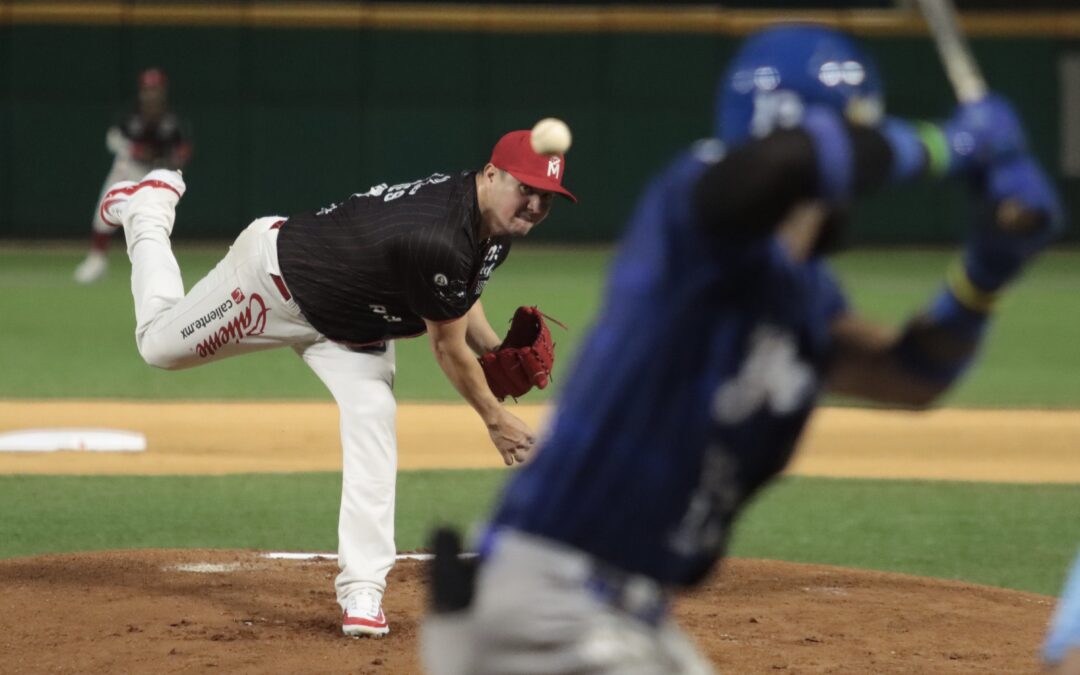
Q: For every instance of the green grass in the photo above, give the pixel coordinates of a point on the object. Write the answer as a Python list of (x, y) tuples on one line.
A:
[(1030, 357), (63, 341), (51, 514), (60, 340), (1005, 535), (1015, 536)]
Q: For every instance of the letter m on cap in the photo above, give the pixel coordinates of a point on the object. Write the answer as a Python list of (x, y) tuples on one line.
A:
[(554, 166)]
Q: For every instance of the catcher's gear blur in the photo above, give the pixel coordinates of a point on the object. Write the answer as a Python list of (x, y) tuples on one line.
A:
[(525, 357)]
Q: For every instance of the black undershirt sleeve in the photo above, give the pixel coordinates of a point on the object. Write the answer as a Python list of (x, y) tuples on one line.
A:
[(748, 192)]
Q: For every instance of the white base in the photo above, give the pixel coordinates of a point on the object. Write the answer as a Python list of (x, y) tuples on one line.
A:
[(90, 440)]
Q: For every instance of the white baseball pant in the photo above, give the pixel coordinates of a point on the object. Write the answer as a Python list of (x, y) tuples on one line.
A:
[(238, 308)]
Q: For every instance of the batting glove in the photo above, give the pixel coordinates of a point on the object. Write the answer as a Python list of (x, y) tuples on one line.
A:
[(1021, 215), (984, 132)]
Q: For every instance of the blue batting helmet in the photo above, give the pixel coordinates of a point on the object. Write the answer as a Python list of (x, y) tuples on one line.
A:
[(780, 71)]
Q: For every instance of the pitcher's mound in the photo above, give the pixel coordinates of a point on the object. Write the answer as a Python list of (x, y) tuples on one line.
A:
[(237, 612)]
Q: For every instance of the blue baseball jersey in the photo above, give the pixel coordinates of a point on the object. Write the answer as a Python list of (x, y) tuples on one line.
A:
[(688, 394), (1064, 634)]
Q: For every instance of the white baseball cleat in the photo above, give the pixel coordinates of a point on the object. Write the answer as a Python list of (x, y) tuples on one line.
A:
[(92, 269), (166, 179), (364, 616), (115, 201)]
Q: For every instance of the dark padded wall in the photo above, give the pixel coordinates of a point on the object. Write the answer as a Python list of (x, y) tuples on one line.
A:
[(290, 119)]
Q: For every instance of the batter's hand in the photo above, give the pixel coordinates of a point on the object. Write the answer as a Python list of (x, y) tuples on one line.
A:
[(511, 436), (982, 133), (1026, 216)]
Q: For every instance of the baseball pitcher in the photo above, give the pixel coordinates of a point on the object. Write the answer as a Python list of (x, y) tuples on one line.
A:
[(338, 285)]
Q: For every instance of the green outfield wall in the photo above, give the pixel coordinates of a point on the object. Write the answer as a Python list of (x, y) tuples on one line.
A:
[(294, 109)]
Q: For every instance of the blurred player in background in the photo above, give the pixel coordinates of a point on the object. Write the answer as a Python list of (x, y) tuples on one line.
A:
[(338, 285), (150, 137), (721, 327), (1062, 649)]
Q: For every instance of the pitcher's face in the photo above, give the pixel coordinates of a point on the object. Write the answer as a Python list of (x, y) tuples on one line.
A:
[(513, 207)]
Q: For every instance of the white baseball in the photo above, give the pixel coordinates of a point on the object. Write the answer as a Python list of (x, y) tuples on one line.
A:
[(550, 136)]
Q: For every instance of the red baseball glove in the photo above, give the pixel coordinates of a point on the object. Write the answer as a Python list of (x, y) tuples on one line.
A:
[(525, 357)]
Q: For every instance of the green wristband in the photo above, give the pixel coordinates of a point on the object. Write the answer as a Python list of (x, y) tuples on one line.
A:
[(937, 147)]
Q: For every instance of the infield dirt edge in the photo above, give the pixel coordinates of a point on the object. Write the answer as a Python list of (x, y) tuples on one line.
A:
[(275, 436)]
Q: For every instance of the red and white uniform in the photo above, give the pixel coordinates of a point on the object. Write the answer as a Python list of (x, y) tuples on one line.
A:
[(337, 286)]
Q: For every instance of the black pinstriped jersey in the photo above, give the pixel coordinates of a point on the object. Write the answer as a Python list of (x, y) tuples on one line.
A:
[(372, 267)]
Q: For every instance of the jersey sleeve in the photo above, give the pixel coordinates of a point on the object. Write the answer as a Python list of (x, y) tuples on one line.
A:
[(436, 279), (830, 301)]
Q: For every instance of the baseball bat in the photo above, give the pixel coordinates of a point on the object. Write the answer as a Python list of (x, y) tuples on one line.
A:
[(960, 66), (968, 84)]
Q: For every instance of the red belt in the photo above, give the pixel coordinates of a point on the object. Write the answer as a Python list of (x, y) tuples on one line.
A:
[(281, 287), (278, 280)]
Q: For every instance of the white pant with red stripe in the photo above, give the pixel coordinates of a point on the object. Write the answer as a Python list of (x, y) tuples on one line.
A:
[(238, 308)]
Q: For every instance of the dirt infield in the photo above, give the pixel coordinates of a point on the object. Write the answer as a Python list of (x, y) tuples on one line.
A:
[(217, 438), (235, 612)]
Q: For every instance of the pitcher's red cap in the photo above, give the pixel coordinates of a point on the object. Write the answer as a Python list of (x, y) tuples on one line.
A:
[(514, 155)]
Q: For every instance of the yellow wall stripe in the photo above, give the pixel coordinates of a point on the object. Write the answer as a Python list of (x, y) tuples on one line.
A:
[(519, 18)]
